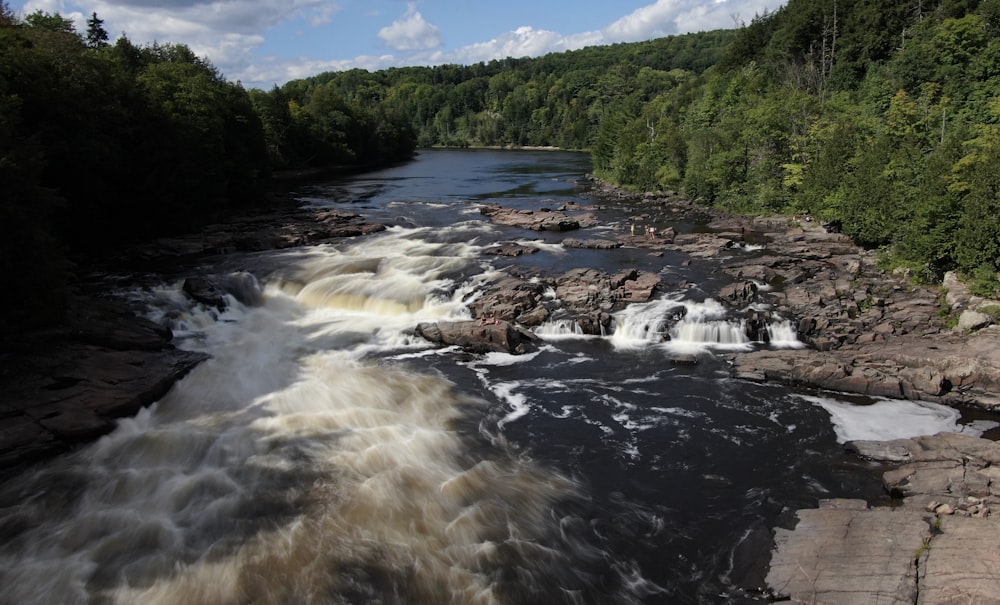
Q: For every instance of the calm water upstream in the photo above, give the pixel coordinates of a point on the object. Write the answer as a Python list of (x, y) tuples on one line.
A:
[(325, 455)]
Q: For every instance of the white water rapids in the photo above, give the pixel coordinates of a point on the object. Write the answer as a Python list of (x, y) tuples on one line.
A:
[(287, 469), (320, 456)]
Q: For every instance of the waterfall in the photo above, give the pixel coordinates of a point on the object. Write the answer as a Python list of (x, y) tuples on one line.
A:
[(561, 329), (287, 467), (783, 335), (697, 326)]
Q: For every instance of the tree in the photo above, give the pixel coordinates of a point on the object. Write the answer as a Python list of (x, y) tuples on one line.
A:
[(7, 16), (97, 36), (50, 21)]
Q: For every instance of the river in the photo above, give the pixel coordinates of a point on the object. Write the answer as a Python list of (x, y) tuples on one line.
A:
[(325, 454)]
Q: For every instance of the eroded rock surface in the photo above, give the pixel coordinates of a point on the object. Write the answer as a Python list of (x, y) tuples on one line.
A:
[(68, 386), (939, 544)]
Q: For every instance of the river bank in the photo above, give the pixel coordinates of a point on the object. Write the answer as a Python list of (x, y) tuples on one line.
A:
[(839, 302), (874, 334)]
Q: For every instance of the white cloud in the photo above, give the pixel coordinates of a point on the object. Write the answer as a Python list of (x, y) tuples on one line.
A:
[(230, 32), (671, 17), (411, 33), (652, 21), (525, 41), (225, 31)]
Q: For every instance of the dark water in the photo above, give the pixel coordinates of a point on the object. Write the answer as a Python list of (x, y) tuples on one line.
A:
[(325, 454)]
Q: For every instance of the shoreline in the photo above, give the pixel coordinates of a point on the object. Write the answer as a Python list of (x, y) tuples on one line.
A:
[(868, 332)]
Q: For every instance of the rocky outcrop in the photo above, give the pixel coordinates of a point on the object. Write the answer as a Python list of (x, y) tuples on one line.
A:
[(214, 291), (509, 249), (543, 219), (586, 296), (954, 369), (63, 387), (937, 544), (284, 226), (586, 290), (591, 244), (480, 336)]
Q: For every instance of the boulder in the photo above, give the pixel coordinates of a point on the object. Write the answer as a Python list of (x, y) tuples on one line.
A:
[(585, 290), (591, 244), (480, 336), (510, 249), (973, 320), (741, 294), (539, 220)]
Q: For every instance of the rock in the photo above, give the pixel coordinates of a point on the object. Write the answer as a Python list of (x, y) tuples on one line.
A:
[(588, 290), (77, 393), (539, 220), (204, 290), (591, 244), (110, 324), (960, 562), (275, 228), (511, 299), (848, 556), (740, 294), (958, 370), (935, 546), (973, 320), (512, 250), (480, 336)]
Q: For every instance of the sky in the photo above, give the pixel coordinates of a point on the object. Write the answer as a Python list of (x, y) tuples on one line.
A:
[(263, 43)]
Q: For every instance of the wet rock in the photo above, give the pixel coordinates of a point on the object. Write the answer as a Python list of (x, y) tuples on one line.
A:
[(215, 291), (281, 227), (512, 250), (57, 393), (539, 220), (585, 290), (591, 244), (933, 546), (205, 291), (480, 336), (740, 294), (512, 299)]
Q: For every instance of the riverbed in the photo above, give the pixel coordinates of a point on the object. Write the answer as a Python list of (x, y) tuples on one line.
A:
[(327, 454)]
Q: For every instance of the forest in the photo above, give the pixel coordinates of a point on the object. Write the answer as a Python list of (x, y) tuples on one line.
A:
[(878, 119)]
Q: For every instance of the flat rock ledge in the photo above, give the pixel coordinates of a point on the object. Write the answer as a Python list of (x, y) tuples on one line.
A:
[(938, 544), (953, 369), (66, 387)]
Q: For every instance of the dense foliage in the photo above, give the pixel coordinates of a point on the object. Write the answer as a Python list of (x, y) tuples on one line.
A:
[(882, 118), (557, 100), (104, 143)]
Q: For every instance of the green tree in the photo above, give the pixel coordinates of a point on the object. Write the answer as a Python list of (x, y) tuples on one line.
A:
[(97, 36), (53, 22)]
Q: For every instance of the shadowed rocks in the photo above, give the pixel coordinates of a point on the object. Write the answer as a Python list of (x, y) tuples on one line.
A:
[(937, 544)]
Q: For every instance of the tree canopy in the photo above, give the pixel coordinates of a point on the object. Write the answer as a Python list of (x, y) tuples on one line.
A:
[(880, 118)]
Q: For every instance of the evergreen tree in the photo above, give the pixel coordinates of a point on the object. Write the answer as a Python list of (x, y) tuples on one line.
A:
[(97, 36)]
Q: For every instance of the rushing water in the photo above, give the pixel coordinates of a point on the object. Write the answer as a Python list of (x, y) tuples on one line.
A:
[(324, 454)]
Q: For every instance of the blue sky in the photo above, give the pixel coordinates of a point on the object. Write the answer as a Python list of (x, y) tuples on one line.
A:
[(268, 42)]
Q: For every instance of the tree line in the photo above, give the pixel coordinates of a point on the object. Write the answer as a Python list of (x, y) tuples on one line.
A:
[(882, 119), (106, 143)]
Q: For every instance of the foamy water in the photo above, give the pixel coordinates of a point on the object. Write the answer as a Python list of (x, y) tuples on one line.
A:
[(325, 454)]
